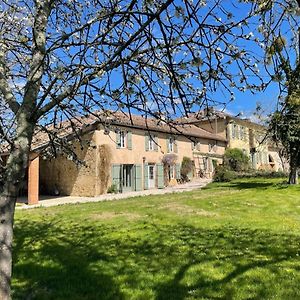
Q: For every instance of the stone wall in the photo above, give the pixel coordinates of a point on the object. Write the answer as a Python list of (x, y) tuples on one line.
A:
[(62, 175)]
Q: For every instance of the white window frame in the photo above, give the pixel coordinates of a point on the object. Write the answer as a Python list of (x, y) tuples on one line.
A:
[(123, 139), (151, 142)]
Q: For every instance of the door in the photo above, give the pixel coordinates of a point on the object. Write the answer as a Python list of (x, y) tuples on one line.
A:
[(127, 174), (151, 176)]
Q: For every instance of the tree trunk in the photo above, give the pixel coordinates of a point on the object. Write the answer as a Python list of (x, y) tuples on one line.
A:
[(7, 206), (14, 175), (293, 176)]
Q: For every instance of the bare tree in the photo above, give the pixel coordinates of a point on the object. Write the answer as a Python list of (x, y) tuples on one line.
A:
[(60, 59)]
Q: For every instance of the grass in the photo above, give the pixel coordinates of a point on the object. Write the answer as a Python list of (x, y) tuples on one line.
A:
[(239, 240)]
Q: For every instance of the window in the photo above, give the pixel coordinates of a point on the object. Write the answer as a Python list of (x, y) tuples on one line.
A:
[(171, 144), (122, 142), (151, 143), (242, 133), (212, 147), (124, 139), (172, 172), (194, 145), (234, 131)]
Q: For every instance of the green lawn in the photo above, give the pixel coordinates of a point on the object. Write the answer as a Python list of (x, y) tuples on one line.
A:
[(239, 240)]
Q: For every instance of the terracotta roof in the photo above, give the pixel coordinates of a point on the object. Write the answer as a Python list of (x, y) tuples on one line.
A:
[(85, 124), (202, 115), (172, 127)]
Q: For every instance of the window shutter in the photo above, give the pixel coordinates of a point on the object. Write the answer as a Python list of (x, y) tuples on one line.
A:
[(138, 177), (116, 176), (168, 145), (178, 175), (118, 139), (129, 140), (146, 177), (160, 176), (175, 146), (147, 141), (156, 143)]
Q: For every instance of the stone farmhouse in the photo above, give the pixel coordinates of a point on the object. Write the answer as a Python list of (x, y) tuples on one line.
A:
[(243, 134), (123, 152)]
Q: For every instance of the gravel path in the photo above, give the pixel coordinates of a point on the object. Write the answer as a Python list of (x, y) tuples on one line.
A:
[(55, 201)]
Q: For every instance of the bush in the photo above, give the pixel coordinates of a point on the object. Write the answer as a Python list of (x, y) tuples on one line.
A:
[(236, 160), (223, 174), (113, 189), (187, 166)]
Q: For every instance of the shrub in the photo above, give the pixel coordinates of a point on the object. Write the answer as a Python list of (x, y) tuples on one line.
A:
[(223, 174), (113, 189), (236, 160), (187, 166)]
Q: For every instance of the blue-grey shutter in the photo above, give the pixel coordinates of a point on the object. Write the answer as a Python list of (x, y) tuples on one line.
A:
[(178, 176), (146, 177), (146, 141), (118, 139), (160, 176), (129, 140), (138, 177), (156, 143), (116, 175)]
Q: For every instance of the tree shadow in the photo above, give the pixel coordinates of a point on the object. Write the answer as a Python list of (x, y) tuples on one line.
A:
[(55, 259), (251, 185), (247, 250), (57, 264)]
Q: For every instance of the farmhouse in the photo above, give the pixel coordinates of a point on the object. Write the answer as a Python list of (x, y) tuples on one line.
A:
[(243, 134), (119, 152)]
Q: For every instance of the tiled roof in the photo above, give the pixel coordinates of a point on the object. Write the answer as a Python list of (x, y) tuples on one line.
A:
[(174, 127), (85, 124), (202, 115)]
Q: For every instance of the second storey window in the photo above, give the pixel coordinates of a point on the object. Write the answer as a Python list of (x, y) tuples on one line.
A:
[(171, 144), (151, 143), (124, 139), (212, 146), (122, 142)]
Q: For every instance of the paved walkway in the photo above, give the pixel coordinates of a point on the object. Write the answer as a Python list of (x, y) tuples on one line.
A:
[(47, 201)]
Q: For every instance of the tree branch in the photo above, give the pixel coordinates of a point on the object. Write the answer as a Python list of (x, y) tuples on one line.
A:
[(5, 89), (102, 67)]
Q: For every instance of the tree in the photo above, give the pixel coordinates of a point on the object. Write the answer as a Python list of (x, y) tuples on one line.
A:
[(279, 30), (187, 166), (62, 59), (236, 160)]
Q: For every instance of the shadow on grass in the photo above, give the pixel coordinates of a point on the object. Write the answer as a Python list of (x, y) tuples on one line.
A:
[(56, 263), (251, 185), (144, 260)]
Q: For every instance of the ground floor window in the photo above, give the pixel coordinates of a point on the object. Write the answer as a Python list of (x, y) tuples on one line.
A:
[(172, 171), (127, 174)]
